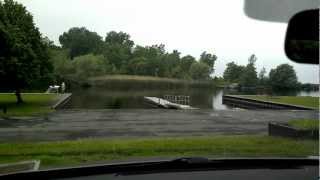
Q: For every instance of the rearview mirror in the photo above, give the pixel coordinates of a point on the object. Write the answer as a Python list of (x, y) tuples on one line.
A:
[(302, 39), (277, 10)]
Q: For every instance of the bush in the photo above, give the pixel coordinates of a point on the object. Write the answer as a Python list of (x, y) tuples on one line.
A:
[(81, 67), (199, 71), (89, 66), (61, 63)]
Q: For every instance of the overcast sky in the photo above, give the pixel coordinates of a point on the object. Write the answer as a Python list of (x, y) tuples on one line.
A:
[(190, 26)]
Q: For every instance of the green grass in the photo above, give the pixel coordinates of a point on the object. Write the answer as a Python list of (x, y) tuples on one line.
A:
[(67, 153), (306, 101), (306, 124), (34, 104)]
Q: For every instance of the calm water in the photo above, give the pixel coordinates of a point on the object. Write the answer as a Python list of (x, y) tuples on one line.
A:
[(103, 98), (97, 98), (309, 93)]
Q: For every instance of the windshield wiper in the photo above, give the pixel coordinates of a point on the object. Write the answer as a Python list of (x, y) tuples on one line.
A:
[(176, 165)]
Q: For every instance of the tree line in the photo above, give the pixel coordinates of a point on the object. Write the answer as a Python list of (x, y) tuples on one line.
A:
[(283, 77), (84, 53)]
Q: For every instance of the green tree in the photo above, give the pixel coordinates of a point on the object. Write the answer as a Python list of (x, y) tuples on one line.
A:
[(122, 38), (154, 56), (61, 63), (118, 50), (138, 66), (186, 62), (262, 77), (172, 63), (249, 77), (81, 41), (283, 77), (89, 66), (200, 71), (50, 44), (233, 72), (208, 59), (23, 55)]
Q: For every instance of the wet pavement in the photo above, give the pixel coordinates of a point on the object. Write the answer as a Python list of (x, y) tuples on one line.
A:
[(124, 123)]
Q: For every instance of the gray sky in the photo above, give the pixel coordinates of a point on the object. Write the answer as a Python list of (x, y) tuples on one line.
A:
[(190, 26)]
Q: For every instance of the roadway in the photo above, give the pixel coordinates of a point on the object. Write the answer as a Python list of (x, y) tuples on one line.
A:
[(126, 123)]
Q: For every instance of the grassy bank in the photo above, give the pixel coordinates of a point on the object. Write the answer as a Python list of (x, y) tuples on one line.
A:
[(305, 124), (306, 101), (65, 153), (131, 81), (34, 104)]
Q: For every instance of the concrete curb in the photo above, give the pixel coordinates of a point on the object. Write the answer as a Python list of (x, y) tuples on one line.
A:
[(260, 104), (25, 166), (283, 130)]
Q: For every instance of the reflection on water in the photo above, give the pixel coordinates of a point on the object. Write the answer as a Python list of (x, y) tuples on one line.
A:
[(309, 93), (217, 101), (100, 98), (104, 98)]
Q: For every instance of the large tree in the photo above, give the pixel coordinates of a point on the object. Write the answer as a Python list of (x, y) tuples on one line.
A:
[(172, 63), (23, 54), (153, 57), (138, 66), (200, 71), (118, 49), (185, 64), (81, 41), (233, 72), (283, 77), (262, 77), (249, 77), (208, 59), (122, 38)]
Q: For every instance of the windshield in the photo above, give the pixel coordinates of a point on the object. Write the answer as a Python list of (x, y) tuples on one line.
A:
[(108, 81)]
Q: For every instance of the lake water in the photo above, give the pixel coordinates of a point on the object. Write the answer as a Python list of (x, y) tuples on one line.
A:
[(104, 98)]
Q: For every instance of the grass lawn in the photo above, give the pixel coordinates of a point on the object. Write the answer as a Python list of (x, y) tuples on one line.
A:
[(67, 153), (34, 104), (307, 124), (306, 101)]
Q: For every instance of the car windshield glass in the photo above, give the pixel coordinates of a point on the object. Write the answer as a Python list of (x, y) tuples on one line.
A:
[(84, 83)]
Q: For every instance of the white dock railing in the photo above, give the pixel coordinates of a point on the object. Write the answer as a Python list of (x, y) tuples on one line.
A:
[(178, 99)]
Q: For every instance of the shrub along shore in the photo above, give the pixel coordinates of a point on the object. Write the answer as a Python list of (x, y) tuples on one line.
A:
[(143, 82)]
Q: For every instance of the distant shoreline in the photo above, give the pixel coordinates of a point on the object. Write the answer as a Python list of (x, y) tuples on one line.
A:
[(113, 81)]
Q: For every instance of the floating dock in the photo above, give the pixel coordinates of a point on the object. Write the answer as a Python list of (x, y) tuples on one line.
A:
[(63, 99), (162, 103)]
